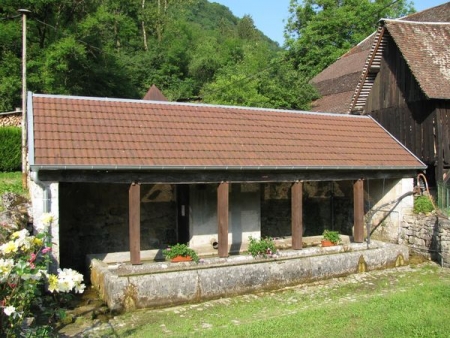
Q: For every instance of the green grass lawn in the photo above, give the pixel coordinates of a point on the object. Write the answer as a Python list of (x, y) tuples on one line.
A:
[(11, 182), (403, 302)]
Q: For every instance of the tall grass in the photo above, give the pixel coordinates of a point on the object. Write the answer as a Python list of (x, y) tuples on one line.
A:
[(11, 182), (403, 302)]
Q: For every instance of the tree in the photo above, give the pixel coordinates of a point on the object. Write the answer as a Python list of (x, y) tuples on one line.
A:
[(262, 79), (320, 31), (119, 48)]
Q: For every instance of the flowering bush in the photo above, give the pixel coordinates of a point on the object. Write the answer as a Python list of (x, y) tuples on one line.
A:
[(264, 247), (180, 250), (26, 284)]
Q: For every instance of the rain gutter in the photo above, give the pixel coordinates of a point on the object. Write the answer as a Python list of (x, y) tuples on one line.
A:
[(217, 168)]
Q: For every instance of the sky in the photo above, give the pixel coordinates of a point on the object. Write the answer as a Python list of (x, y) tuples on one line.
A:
[(270, 16)]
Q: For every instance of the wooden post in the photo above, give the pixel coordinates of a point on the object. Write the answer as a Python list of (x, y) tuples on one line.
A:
[(135, 223), (358, 211), (222, 218), (297, 215), (439, 160)]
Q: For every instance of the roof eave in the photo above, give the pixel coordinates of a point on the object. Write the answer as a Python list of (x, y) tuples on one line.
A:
[(218, 168)]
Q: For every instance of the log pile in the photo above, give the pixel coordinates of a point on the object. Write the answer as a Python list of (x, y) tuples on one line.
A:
[(11, 120)]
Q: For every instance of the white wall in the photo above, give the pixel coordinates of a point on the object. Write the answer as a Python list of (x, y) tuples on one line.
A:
[(381, 192), (244, 216), (47, 202)]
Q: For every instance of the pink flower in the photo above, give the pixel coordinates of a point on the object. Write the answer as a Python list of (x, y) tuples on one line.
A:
[(33, 258), (46, 249)]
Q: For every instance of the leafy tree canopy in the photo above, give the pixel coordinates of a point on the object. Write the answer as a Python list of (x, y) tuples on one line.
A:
[(320, 31), (119, 48)]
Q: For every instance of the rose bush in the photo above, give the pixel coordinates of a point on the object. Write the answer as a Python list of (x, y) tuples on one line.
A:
[(27, 288)]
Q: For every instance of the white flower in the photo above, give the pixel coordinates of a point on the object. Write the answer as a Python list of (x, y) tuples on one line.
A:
[(45, 221), (79, 287), (24, 243), (20, 235), (69, 280), (9, 310), (8, 247), (25, 276), (38, 275), (47, 218), (6, 265)]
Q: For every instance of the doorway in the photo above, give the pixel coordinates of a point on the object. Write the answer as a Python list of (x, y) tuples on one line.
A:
[(183, 213)]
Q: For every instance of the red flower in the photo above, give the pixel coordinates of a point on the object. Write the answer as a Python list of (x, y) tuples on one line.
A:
[(33, 258), (46, 249)]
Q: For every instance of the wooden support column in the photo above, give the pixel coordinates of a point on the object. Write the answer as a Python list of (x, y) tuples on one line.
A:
[(358, 211), (222, 218), (135, 223), (297, 215)]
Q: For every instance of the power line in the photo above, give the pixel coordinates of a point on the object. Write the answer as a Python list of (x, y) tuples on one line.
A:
[(66, 35), (10, 17)]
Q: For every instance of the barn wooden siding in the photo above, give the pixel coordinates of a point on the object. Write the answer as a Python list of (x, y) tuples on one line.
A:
[(443, 132), (398, 103)]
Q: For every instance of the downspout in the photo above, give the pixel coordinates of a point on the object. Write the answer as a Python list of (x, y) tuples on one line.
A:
[(46, 198)]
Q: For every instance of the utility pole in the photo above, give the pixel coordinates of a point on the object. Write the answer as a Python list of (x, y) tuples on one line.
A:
[(24, 13)]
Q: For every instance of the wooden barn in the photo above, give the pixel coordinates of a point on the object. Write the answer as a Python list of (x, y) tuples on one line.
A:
[(405, 86), (336, 83)]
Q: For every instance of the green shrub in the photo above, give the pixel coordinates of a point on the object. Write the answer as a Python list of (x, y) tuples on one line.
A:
[(10, 149), (263, 247), (423, 204)]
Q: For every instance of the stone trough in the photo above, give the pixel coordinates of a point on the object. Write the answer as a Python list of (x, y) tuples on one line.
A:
[(155, 284)]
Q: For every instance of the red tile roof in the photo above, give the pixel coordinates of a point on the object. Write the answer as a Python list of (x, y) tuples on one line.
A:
[(81, 132)]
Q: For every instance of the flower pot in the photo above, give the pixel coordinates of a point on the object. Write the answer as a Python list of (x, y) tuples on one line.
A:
[(181, 259), (326, 242)]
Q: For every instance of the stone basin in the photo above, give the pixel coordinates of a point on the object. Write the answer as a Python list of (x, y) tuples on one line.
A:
[(161, 283)]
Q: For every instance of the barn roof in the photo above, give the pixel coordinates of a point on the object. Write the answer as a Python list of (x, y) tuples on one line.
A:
[(425, 46), (68, 132), (337, 83), (426, 49), (154, 94)]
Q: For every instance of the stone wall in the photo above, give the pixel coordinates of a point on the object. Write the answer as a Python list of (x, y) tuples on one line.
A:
[(94, 219), (326, 205), (428, 235)]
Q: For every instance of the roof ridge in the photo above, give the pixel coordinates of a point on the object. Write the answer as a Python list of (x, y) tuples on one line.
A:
[(188, 104), (441, 23)]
